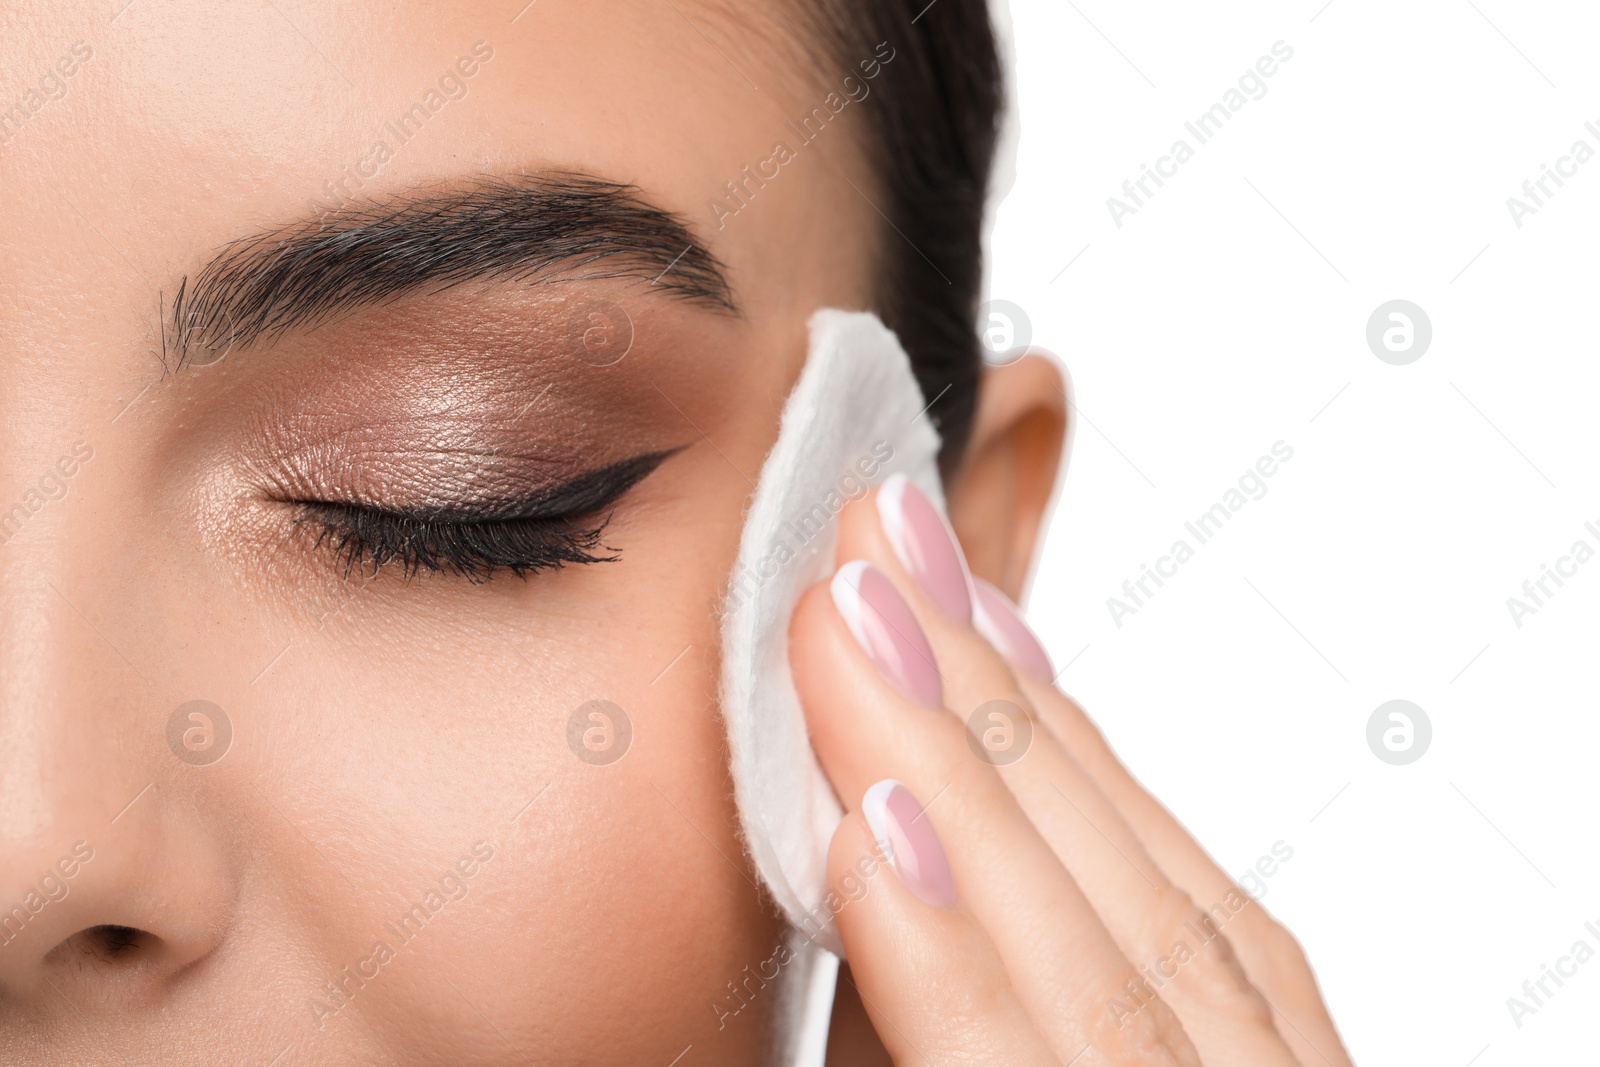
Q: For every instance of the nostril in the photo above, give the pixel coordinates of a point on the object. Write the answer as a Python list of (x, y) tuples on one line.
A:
[(114, 941), (107, 943)]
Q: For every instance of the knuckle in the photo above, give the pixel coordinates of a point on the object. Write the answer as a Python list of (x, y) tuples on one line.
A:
[(961, 1009), (975, 666), (1283, 958), (1189, 951), (1146, 1033), (1280, 942), (953, 1006), (976, 782)]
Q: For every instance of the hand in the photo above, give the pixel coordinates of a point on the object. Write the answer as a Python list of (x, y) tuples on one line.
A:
[(1045, 910)]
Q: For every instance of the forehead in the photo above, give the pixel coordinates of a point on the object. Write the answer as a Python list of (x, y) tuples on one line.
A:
[(290, 90), (152, 136)]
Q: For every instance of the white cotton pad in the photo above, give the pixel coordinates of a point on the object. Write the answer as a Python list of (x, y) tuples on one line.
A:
[(856, 390), (855, 417)]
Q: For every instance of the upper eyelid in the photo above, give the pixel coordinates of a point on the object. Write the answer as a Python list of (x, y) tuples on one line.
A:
[(579, 495)]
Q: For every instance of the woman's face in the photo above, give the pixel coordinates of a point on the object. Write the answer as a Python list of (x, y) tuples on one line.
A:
[(417, 845)]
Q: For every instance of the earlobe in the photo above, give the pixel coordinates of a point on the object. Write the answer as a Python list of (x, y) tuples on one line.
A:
[(1000, 495)]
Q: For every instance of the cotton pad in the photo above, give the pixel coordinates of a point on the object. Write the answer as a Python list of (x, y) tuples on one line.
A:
[(856, 390), (855, 417)]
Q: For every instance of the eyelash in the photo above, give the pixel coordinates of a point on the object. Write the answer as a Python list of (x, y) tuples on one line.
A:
[(475, 550), (527, 537)]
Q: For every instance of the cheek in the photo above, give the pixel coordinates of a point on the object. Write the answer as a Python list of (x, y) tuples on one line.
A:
[(568, 723)]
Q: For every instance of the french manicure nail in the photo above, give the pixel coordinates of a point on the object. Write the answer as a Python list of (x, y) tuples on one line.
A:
[(1000, 621), (884, 627), (908, 841), (926, 546)]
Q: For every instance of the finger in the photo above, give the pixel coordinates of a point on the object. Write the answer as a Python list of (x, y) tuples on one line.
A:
[(871, 692), (1180, 950), (930, 979), (1272, 958)]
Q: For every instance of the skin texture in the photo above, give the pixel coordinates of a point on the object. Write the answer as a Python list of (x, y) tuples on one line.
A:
[(1086, 926), (385, 840), (381, 728)]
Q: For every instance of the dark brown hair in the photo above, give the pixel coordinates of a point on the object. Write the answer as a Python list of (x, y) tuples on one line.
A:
[(932, 124)]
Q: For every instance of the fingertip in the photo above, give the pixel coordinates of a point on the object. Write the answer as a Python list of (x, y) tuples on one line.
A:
[(908, 842), (1002, 624)]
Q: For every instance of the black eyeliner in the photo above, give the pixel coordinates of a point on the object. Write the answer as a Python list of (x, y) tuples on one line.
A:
[(542, 531)]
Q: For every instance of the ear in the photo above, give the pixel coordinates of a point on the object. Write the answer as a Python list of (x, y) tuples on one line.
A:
[(1000, 495)]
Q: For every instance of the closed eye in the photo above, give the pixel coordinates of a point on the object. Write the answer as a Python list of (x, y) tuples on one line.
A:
[(556, 527)]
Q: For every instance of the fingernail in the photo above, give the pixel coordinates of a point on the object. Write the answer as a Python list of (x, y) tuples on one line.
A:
[(1000, 621), (908, 841), (886, 630), (926, 546)]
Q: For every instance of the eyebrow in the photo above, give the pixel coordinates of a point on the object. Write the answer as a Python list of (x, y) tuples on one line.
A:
[(553, 226)]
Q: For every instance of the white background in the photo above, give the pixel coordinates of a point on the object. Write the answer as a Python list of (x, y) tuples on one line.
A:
[(1230, 313)]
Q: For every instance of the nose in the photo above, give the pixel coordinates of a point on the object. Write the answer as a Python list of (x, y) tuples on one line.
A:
[(135, 897), (113, 876)]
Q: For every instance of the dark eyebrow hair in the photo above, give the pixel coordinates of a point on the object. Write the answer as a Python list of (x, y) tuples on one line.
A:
[(552, 226)]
